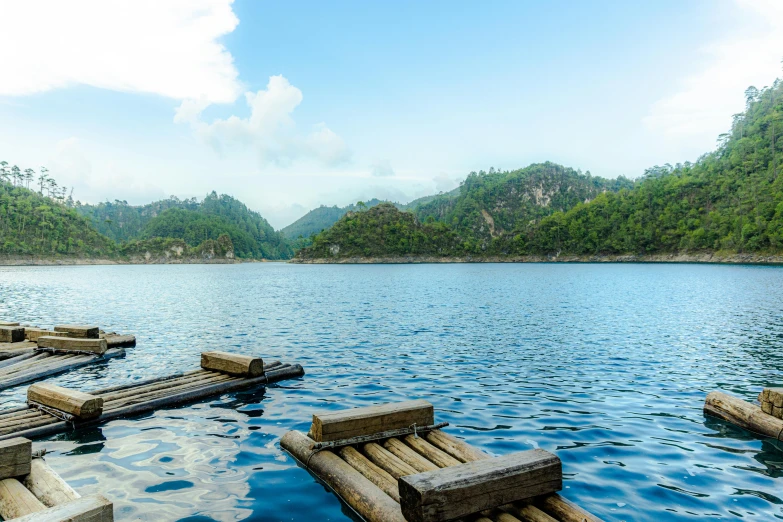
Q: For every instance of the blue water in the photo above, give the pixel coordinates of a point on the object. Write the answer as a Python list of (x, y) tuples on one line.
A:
[(607, 365)]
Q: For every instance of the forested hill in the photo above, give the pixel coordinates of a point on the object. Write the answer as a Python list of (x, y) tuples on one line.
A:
[(37, 224), (193, 221), (730, 200), (320, 219)]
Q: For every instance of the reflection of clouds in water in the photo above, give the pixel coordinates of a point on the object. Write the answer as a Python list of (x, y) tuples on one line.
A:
[(164, 467)]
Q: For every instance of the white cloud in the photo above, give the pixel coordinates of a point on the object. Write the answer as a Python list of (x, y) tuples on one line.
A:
[(269, 128), (382, 168), (444, 182), (166, 47), (703, 107)]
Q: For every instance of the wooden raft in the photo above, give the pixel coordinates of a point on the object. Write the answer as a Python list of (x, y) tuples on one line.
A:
[(52, 409), (42, 353), (746, 415), (30, 491), (392, 463)]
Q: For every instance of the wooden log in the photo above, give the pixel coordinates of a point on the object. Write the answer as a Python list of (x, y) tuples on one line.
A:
[(344, 424), (388, 461), (92, 508), (96, 346), (232, 364), (743, 414), (8, 323), (19, 358), (407, 455), (16, 501), (15, 457), (81, 405), (530, 513), (11, 334), (564, 510), (48, 486), (32, 334), (455, 447), (371, 472), (117, 341), (363, 496), (79, 331), (456, 491), (440, 458), (507, 517)]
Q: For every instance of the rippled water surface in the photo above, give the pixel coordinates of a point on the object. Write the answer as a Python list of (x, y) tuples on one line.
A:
[(608, 365)]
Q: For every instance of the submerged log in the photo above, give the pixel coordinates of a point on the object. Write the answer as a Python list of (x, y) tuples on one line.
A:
[(232, 364), (73, 344), (11, 334), (743, 414), (16, 500), (468, 488), (93, 508), (343, 424), (79, 330), (80, 405), (357, 491), (15, 457)]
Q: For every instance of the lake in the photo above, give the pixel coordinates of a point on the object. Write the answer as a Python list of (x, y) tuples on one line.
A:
[(605, 364)]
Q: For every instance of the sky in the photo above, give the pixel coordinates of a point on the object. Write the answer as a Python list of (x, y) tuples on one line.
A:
[(291, 105)]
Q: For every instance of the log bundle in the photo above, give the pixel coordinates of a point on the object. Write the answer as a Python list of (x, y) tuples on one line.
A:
[(32, 365), (428, 475), (77, 410), (744, 414), (33, 492)]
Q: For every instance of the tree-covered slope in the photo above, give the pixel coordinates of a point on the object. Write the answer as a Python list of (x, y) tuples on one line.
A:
[(38, 225), (320, 219), (382, 230), (122, 222)]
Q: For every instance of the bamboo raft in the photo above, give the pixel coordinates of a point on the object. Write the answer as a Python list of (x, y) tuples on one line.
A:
[(52, 409), (30, 491), (764, 420), (392, 463), (31, 353)]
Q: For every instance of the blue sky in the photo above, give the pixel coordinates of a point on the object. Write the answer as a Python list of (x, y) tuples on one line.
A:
[(288, 105)]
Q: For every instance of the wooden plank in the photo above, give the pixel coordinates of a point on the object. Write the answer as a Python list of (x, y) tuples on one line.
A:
[(15, 457), (79, 330), (32, 334), (456, 491), (73, 402), (343, 424), (92, 508), (11, 334), (96, 346), (124, 341), (232, 364), (8, 323), (16, 501), (48, 486)]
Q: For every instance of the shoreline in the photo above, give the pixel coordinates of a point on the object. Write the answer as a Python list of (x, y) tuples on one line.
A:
[(711, 258), (65, 261)]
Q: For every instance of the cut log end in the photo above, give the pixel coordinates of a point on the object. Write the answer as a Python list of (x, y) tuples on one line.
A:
[(81, 405), (11, 334), (232, 364), (79, 330), (15, 457)]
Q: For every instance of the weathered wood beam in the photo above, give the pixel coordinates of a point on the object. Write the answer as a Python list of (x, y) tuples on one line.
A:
[(743, 414), (47, 485), (461, 490), (15, 457), (11, 334), (81, 405), (232, 364), (32, 334), (16, 500), (79, 330), (93, 508), (343, 424), (73, 344)]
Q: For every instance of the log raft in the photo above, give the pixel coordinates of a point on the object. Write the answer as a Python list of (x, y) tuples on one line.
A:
[(31, 491), (52, 409), (744, 414), (412, 471)]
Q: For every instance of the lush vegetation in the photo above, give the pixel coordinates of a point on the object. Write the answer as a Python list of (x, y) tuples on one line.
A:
[(192, 221), (730, 200), (383, 230), (43, 222), (319, 219)]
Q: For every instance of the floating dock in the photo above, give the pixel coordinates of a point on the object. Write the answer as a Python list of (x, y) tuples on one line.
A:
[(28, 354), (51, 409), (763, 420), (30, 491), (392, 463)]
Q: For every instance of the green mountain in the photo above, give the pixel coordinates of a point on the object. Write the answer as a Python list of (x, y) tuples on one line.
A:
[(383, 230), (192, 221), (320, 219), (37, 225)]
